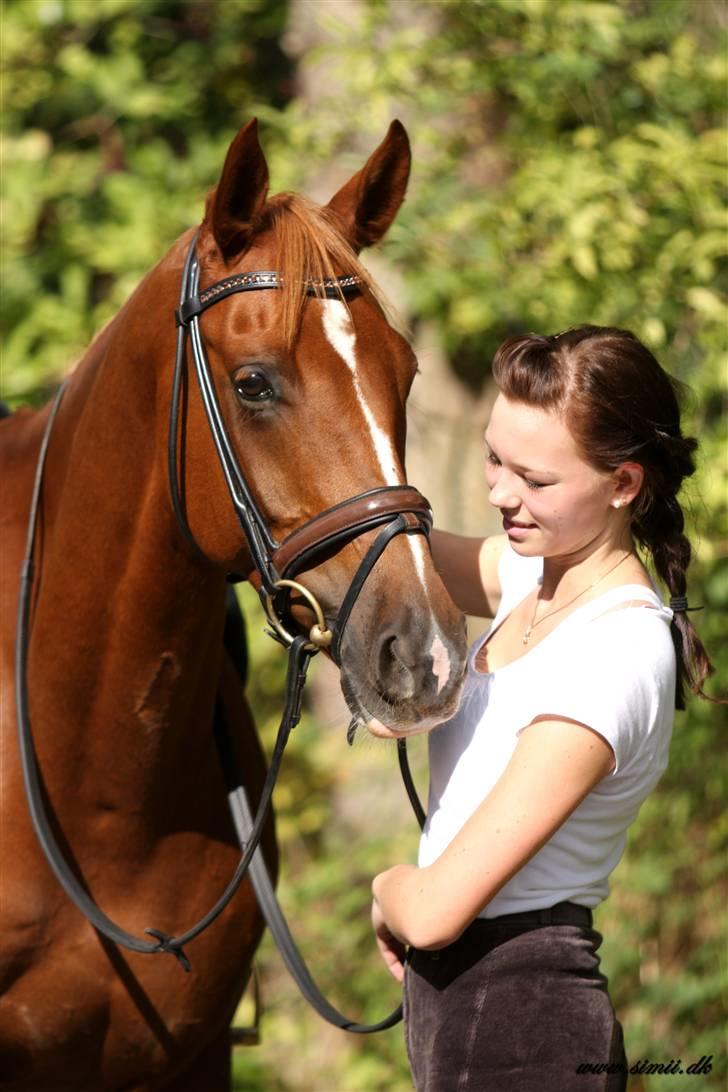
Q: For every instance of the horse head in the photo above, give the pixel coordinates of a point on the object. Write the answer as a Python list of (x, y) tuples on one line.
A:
[(310, 382)]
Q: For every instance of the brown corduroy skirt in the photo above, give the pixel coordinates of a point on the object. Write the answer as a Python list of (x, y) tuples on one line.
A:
[(516, 1004)]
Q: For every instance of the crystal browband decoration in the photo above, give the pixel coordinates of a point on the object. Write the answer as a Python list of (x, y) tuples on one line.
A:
[(275, 280), (326, 287)]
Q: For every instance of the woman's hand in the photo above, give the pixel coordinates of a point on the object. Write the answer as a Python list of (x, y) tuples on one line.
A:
[(392, 950)]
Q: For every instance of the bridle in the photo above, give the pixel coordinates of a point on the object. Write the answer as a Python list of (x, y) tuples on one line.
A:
[(396, 510)]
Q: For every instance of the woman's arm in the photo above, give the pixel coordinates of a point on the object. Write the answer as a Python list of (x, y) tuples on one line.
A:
[(555, 765), (468, 568)]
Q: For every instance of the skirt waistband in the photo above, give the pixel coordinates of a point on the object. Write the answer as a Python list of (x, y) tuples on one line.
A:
[(563, 913)]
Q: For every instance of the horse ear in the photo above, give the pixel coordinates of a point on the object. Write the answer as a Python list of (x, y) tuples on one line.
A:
[(369, 202), (237, 201)]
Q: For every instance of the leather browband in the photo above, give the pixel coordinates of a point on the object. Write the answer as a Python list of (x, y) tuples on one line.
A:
[(332, 288), (350, 518)]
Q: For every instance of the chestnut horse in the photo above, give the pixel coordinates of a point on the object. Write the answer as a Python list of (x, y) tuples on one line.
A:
[(126, 660)]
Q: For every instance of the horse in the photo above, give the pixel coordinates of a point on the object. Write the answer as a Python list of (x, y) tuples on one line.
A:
[(125, 660)]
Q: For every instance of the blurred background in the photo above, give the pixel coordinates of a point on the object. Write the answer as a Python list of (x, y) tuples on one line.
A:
[(569, 166)]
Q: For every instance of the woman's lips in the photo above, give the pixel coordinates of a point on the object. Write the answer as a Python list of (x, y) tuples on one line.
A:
[(516, 530)]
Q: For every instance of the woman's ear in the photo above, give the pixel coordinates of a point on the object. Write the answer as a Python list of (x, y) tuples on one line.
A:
[(627, 480)]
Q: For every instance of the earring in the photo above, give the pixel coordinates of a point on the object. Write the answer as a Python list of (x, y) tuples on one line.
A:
[(616, 504)]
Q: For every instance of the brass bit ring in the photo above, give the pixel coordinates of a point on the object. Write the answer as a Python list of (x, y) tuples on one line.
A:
[(319, 636)]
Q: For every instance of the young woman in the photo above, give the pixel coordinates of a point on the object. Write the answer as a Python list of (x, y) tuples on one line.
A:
[(564, 725)]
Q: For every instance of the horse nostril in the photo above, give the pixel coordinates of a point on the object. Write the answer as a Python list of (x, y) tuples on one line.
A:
[(395, 673)]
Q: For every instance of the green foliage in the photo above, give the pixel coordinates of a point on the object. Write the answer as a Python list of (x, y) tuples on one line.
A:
[(118, 115), (570, 163)]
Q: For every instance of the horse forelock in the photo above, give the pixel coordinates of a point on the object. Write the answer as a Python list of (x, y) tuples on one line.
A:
[(310, 248)]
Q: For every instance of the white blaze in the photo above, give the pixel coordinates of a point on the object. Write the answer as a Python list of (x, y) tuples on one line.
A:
[(341, 335), (440, 662)]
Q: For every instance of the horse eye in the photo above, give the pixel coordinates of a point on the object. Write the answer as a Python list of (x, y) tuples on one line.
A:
[(254, 387)]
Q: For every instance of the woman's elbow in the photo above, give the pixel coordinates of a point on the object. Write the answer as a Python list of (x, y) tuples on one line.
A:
[(433, 933), (432, 943)]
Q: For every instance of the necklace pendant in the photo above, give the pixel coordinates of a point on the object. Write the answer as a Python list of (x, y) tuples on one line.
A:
[(526, 636)]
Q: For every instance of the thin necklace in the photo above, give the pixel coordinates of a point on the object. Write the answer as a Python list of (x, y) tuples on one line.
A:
[(533, 623)]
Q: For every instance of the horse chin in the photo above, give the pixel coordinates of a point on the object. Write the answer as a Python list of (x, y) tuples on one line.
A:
[(393, 721), (375, 728), (381, 731)]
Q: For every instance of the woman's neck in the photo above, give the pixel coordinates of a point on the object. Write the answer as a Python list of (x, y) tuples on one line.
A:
[(566, 575)]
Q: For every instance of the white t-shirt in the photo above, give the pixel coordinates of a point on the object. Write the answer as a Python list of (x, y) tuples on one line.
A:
[(612, 670)]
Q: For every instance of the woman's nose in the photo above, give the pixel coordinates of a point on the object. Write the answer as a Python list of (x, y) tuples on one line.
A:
[(502, 491)]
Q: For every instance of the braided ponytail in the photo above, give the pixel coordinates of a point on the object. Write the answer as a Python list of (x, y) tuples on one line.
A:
[(658, 525), (621, 406)]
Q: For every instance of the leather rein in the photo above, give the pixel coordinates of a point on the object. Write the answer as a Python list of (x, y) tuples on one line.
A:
[(395, 510)]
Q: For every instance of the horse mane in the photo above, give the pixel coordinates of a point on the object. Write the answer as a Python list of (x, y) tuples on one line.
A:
[(311, 248)]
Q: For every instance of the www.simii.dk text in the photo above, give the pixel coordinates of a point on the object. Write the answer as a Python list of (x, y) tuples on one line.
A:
[(644, 1066)]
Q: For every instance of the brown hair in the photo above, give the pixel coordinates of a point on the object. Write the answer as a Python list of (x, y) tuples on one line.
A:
[(620, 406)]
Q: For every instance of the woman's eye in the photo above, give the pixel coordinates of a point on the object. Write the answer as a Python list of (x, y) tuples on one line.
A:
[(492, 459), (254, 387), (534, 485)]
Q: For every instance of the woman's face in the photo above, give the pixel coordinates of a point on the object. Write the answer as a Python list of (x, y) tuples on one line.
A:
[(553, 503)]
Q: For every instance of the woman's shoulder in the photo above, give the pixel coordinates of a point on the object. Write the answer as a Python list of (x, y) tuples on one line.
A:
[(620, 640), (630, 608), (628, 630), (614, 671)]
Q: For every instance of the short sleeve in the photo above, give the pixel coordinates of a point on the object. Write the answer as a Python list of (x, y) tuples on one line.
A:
[(617, 677)]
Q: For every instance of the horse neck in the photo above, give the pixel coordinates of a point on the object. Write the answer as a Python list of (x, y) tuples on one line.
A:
[(127, 625)]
